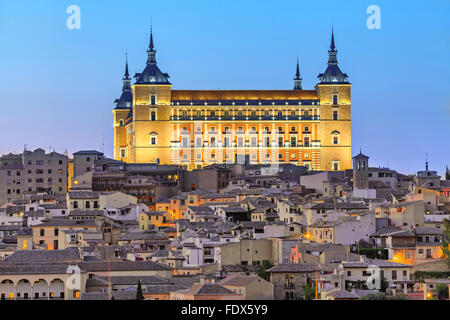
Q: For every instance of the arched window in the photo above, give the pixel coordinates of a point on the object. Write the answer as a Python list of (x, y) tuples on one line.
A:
[(121, 122)]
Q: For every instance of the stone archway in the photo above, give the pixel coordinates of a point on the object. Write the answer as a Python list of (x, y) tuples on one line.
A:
[(7, 289), (23, 289), (56, 289), (40, 289)]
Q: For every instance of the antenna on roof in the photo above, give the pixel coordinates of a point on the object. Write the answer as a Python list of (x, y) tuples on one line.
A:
[(426, 161)]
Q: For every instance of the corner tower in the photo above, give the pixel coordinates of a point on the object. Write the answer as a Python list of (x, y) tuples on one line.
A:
[(121, 116), (149, 136), (334, 91)]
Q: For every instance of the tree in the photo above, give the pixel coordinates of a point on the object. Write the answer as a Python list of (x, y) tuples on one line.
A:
[(447, 173), (261, 271), (139, 295), (309, 292), (441, 291), (384, 285), (445, 239)]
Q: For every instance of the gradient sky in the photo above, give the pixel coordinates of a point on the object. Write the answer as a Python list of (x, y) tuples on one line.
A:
[(57, 86)]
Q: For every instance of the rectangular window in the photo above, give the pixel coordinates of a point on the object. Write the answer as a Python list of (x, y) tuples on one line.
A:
[(336, 165), (335, 115), (394, 274), (153, 99), (306, 141), (198, 142), (335, 99), (152, 115), (293, 141), (123, 152), (280, 142), (335, 140), (153, 140)]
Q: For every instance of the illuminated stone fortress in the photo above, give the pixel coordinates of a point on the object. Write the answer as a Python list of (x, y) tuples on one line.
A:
[(196, 128)]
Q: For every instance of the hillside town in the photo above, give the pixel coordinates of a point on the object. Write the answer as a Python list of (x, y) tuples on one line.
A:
[(88, 227)]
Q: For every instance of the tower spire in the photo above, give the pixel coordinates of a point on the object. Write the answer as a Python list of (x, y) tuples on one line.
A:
[(151, 47), (127, 75), (151, 52), (298, 78), (332, 46), (332, 53)]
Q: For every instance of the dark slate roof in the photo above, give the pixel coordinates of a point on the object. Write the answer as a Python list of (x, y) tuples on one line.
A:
[(360, 156), (39, 268), (339, 205), (343, 294), (122, 266), (64, 222), (83, 195), (238, 280), (209, 289), (152, 75), (88, 152), (163, 289), (428, 230), (69, 254), (294, 267), (127, 280)]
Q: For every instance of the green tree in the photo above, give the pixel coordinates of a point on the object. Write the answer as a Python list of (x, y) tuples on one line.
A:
[(441, 291), (261, 271), (309, 292), (139, 294), (445, 239), (447, 173), (384, 285)]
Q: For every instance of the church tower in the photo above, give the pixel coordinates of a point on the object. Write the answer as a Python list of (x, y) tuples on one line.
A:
[(335, 109), (360, 171)]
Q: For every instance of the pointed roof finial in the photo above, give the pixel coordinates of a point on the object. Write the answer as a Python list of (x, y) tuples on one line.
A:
[(127, 76), (151, 47), (298, 78), (332, 46)]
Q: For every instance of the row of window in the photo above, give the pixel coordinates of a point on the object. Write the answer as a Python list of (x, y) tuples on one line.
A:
[(87, 204), (38, 171), (227, 142)]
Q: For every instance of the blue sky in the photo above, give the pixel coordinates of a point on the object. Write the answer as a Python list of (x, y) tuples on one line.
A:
[(57, 86)]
